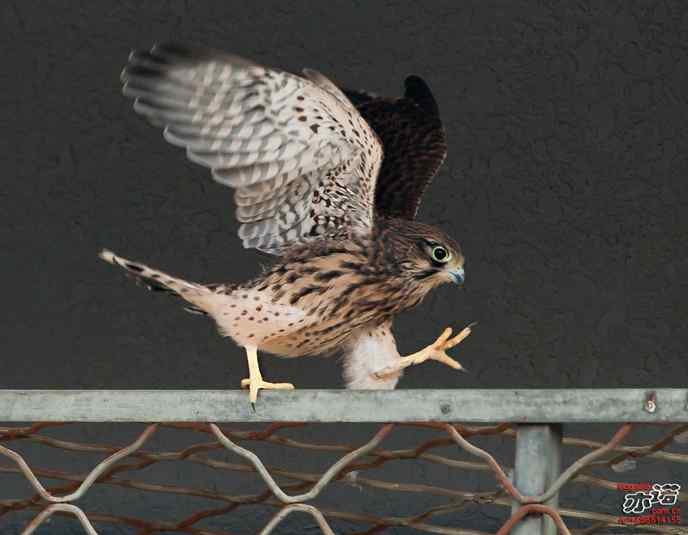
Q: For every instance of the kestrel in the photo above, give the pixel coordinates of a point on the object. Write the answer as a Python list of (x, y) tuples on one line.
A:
[(327, 180)]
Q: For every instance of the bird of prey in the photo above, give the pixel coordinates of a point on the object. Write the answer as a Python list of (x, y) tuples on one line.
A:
[(327, 180)]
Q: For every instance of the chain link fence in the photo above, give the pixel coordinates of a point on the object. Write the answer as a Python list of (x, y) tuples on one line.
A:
[(524, 492)]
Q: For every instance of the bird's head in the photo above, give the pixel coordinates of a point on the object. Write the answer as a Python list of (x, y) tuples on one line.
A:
[(424, 255)]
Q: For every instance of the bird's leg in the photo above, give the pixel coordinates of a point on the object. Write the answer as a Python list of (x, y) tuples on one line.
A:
[(255, 381), (435, 351)]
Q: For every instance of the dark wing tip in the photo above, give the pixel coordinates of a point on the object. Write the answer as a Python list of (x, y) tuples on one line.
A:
[(359, 97), (173, 53), (163, 57), (419, 92)]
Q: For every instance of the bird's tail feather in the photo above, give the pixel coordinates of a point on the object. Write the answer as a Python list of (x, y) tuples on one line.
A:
[(159, 281)]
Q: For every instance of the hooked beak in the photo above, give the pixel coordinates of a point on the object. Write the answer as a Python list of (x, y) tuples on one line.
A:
[(458, 275)]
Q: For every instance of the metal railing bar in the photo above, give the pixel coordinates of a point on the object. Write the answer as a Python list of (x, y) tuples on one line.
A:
[(467, 405), (350, 469)]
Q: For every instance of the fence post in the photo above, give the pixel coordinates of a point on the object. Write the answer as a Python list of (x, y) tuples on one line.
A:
[(537, 465)]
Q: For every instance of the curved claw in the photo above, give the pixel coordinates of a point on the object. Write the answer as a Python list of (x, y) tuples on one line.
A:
[(459, 337)]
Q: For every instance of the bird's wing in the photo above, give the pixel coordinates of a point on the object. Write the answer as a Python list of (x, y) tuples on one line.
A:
[(302, 160), (414, 141)]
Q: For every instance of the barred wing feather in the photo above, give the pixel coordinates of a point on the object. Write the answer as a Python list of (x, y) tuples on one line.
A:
[(301, 159)]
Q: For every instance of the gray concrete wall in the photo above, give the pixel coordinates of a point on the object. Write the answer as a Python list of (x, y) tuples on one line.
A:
[(565, 184)]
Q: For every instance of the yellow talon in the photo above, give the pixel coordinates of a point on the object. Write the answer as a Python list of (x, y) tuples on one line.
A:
[(435, 351), (255, 381)]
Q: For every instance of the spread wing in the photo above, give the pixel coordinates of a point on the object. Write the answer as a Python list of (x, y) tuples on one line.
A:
[(301, 159), (414, 141)]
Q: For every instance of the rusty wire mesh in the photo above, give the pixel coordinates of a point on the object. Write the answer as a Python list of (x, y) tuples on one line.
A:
[(291, 491)]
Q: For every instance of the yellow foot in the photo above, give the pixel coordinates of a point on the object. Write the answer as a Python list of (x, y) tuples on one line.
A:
[(255, 385), (435, 351)]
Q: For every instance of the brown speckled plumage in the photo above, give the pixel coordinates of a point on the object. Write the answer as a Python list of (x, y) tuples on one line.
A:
[(311, 186), (342, 286)]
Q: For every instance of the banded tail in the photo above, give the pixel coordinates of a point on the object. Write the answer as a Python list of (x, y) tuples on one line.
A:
[(159, 281)]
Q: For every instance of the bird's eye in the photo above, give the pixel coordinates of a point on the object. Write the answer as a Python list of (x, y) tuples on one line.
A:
[(440, 254)]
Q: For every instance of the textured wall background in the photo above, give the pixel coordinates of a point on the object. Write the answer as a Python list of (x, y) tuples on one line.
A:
[(565, 183)]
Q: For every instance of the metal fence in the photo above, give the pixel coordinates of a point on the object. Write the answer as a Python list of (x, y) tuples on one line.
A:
[(530, 488)]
